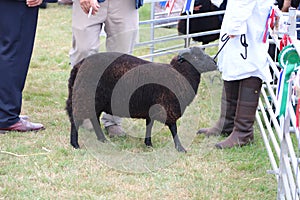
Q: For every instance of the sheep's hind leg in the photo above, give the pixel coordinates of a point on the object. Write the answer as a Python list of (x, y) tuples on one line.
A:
[(178, 146), (74, 136), (98, 131), (149, 124)]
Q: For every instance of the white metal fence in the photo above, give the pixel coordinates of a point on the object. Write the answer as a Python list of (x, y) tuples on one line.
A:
[(157, 22), (281, 137)]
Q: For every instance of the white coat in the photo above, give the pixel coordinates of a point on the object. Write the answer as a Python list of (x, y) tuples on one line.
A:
[(245, 17)]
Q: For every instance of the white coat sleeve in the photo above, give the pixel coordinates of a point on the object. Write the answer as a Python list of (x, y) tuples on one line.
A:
[(238, 12)]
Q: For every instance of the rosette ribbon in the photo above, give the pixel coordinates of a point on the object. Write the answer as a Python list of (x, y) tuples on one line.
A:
[(288, 61)]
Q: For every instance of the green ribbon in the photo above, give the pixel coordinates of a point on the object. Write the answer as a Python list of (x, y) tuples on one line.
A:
[(287, 75), (288, 60)]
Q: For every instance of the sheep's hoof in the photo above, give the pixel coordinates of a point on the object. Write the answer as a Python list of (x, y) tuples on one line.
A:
[(148, 143), (76, 145), (180, 149), (103, 140)]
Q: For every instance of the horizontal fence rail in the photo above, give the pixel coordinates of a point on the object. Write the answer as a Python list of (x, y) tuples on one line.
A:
[(161, 20)]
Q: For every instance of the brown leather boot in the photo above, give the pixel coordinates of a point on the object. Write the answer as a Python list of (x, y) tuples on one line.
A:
[(242, 133), (224, 125)]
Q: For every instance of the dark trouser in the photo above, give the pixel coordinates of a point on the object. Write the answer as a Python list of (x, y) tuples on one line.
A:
[(17, 32)]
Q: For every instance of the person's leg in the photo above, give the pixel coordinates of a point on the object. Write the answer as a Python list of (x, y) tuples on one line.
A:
[(17, 33), (85, 36), (242, 133), (121, 27), (225, 123), (85, 32)]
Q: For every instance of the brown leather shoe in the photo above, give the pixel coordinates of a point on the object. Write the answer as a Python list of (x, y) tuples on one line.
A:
[(23, 126)]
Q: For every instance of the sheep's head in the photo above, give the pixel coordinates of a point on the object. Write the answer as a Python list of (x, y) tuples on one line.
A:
[(200, 60)]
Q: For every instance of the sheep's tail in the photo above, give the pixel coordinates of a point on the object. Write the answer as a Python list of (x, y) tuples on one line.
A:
[(71, 82)]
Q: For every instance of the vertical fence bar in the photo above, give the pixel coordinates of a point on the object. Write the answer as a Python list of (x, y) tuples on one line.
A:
[(187, 39), (292, 22), (152, 34), (283, 182)]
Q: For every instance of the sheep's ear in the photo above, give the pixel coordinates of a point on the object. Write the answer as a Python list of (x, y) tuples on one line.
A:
[(184, 52), (197, 51)]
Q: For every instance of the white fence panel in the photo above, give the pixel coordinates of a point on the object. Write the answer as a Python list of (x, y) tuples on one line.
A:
[(281, 137)]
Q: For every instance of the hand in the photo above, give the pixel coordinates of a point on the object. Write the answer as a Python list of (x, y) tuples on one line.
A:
[(87, 4), (33, 3), (197, 8)]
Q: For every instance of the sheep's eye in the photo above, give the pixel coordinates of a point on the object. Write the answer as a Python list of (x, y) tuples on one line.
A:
[(180, 59)]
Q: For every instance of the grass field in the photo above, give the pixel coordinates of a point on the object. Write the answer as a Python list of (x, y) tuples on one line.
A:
[(43, 165)]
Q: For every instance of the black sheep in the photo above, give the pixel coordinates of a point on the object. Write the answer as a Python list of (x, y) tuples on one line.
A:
[(202, 24), (127, 86)]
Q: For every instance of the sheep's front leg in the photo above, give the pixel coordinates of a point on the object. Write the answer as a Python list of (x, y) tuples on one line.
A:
[(149, 124), (178, 146), (98, 131)]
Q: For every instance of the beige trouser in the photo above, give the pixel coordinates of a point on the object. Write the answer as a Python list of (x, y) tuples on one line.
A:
[(120, 18)]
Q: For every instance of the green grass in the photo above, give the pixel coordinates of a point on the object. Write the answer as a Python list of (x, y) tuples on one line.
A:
[(43, 165)]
